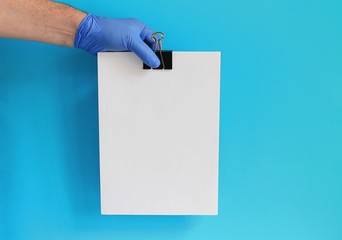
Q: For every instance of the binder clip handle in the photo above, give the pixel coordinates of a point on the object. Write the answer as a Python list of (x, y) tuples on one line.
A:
[(158, 37), (165, 57)]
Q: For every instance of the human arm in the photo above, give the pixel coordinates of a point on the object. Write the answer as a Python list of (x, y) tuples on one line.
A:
[(60, 24), (39, 20)]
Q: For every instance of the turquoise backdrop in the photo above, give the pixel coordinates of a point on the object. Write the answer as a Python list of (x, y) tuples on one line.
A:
[(280, 135)]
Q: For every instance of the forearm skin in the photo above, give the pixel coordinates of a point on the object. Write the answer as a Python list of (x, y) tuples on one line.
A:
[(39, 20)]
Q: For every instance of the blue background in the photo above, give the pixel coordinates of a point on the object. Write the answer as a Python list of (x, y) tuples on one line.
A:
[(280, 136)]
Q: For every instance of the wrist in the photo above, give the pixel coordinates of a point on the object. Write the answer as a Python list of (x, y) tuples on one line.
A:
[(64, 23)]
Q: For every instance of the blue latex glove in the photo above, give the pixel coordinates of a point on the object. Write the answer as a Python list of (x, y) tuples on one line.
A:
[(100, 34)]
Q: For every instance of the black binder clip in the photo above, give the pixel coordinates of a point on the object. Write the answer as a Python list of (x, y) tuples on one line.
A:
[(165, 57)]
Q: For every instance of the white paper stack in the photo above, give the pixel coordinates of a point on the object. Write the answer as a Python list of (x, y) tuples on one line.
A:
[(159, 135)]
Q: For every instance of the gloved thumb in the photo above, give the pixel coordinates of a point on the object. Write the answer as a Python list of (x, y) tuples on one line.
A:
[(144, 52)]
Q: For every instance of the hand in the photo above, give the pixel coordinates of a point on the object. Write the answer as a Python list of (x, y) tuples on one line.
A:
[(100, 34)]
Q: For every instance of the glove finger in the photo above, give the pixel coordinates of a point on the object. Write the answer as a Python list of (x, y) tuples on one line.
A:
[(145, 53), (146, 35)]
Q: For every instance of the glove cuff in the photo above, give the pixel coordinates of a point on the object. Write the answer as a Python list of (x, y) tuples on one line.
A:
[(86, 35), (83, 29)]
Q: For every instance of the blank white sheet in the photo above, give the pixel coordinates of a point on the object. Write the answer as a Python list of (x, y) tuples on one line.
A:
[(159, 135)]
